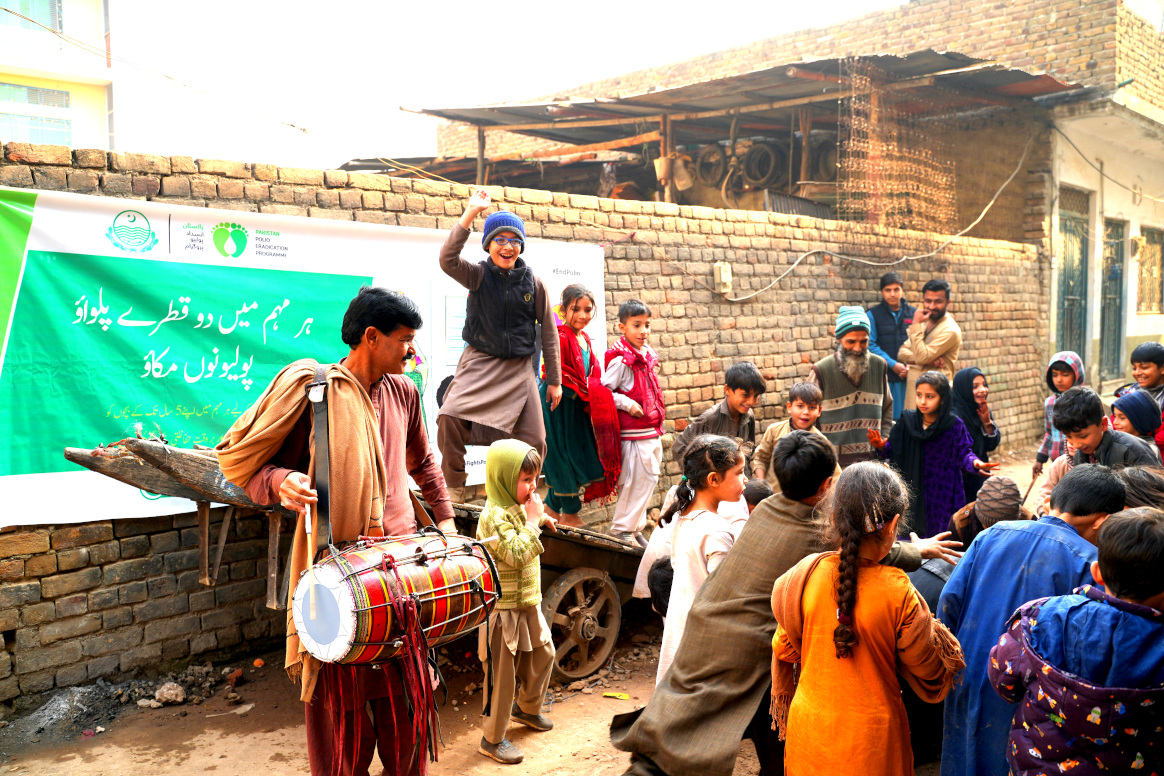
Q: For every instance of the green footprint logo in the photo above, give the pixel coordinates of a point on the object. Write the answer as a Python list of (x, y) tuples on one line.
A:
[(230, 239)]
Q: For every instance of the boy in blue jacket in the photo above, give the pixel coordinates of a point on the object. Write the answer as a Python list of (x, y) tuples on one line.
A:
[(1089, 666), (1007, 565)]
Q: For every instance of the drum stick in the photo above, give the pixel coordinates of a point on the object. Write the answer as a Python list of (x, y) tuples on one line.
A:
[(1029, 489), (310, 566)]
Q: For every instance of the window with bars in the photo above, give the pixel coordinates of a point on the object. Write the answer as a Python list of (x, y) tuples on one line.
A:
[(47, 12), (1074, 201), (33, 95), (35, 129), (1150, 293)]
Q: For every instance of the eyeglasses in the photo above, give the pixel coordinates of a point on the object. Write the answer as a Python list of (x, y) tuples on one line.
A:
[(516, 242)]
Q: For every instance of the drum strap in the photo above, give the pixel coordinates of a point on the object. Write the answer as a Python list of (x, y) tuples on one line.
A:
[(317, 395)]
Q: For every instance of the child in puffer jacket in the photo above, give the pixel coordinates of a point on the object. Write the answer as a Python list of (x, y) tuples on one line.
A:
[(1091, 664)]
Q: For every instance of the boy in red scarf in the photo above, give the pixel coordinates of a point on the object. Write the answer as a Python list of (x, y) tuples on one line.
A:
[(631, 374)]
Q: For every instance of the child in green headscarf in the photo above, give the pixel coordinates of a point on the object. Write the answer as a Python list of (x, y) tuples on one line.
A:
[(519, 638)]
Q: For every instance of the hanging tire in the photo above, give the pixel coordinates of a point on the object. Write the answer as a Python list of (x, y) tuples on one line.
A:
[(763, 164), (710, 165), (584, 612)]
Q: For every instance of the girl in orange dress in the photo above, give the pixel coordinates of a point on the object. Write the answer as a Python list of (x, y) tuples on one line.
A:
[(852, 626)]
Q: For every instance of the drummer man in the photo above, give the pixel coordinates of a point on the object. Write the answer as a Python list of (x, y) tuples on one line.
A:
[(377, 440)]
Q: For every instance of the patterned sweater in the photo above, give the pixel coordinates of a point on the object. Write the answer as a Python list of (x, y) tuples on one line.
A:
[(516, 553)]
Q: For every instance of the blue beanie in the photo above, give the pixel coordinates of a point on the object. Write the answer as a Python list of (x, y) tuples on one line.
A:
[(1141, 410), (503, 221)]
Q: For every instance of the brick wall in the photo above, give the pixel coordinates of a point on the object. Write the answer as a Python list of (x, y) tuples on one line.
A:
[(1140, 55), (1071, 40), (121, 597)]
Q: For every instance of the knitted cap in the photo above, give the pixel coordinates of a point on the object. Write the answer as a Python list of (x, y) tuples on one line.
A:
[(503, 221), (850, 318), (998, 499), (1142, 410)]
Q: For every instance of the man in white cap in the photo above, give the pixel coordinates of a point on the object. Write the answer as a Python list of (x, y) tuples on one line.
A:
[(855, 390)]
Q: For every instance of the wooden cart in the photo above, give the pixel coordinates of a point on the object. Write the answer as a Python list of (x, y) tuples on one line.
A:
[(586, 576)]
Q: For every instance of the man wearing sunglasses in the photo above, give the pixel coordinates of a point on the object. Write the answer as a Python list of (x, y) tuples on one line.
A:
[(493, 394)]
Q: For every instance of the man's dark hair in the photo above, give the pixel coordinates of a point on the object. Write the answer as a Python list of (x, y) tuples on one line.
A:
[(756, 491), (746, 377), (889, 278), (659, 580), (937, 284), (802, 461), (1148, 353), (1089, 489), (1131, 553), (1076, 408), (809, 393), (385, 310), (632, 308)]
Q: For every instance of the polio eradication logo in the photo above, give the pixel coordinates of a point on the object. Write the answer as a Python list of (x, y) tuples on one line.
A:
[(131, 232), (230, 240)]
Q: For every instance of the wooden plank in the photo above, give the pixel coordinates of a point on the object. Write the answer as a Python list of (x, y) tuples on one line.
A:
[(797, 101), (574, 124), (805, 122), (132, 471), (274, 530), (480, 156), (196, 470), (570, 150), (204, 542), (221, 543)]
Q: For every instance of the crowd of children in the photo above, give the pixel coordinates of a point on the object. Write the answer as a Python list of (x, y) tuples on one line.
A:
[(1047, 652)]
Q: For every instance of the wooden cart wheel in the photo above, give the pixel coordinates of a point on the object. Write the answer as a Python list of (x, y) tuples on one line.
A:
[(584, 612)]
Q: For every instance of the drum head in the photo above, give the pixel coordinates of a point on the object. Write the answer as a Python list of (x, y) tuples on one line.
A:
[(324, 613)]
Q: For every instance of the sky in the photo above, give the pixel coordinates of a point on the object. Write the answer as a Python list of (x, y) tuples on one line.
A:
[(239, 73)]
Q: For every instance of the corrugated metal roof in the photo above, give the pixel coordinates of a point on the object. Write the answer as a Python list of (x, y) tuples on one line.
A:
[(949, 81)]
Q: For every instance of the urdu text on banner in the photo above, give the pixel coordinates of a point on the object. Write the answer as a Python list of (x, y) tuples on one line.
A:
[(124, 317)]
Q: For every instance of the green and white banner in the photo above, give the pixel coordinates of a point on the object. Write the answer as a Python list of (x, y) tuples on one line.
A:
[(121, 317)]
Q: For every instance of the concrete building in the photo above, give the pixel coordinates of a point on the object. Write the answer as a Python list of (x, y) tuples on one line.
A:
[(56, 83)]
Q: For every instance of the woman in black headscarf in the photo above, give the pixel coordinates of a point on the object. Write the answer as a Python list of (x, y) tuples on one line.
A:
[(969, 392)]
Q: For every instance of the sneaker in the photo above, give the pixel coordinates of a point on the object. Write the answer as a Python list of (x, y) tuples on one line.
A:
[(625, 536), (536, 721), (504, 752)]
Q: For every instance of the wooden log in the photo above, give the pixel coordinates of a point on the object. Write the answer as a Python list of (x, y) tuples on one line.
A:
[(204, 542), (196, 470), (221, 543), (274, 530), (132, 471), (567, 150)]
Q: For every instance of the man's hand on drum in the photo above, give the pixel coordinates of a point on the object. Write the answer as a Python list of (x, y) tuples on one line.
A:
[(447, 526), (296, 494)]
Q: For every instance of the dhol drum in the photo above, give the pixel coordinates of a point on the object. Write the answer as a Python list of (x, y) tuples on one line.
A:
[(348, 608)]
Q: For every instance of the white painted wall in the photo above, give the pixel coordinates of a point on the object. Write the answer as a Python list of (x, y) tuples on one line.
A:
[(1133, 157), (36, 57)]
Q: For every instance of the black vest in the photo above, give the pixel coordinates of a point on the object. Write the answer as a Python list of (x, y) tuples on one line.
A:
[(891, 334), (501, 313)]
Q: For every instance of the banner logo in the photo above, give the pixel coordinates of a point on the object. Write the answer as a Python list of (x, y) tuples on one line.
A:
[(230, 239), (131, 232)]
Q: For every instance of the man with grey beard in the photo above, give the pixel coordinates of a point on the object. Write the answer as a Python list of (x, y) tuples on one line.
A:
[(855, 386)]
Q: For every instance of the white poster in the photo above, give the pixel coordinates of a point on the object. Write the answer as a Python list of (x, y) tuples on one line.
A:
[(121, 316)]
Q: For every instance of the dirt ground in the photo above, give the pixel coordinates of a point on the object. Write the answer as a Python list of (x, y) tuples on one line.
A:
[(214, 738)]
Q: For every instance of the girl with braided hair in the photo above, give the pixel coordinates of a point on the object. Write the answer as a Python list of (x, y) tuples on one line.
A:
[(848, 621), (713, 472)]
